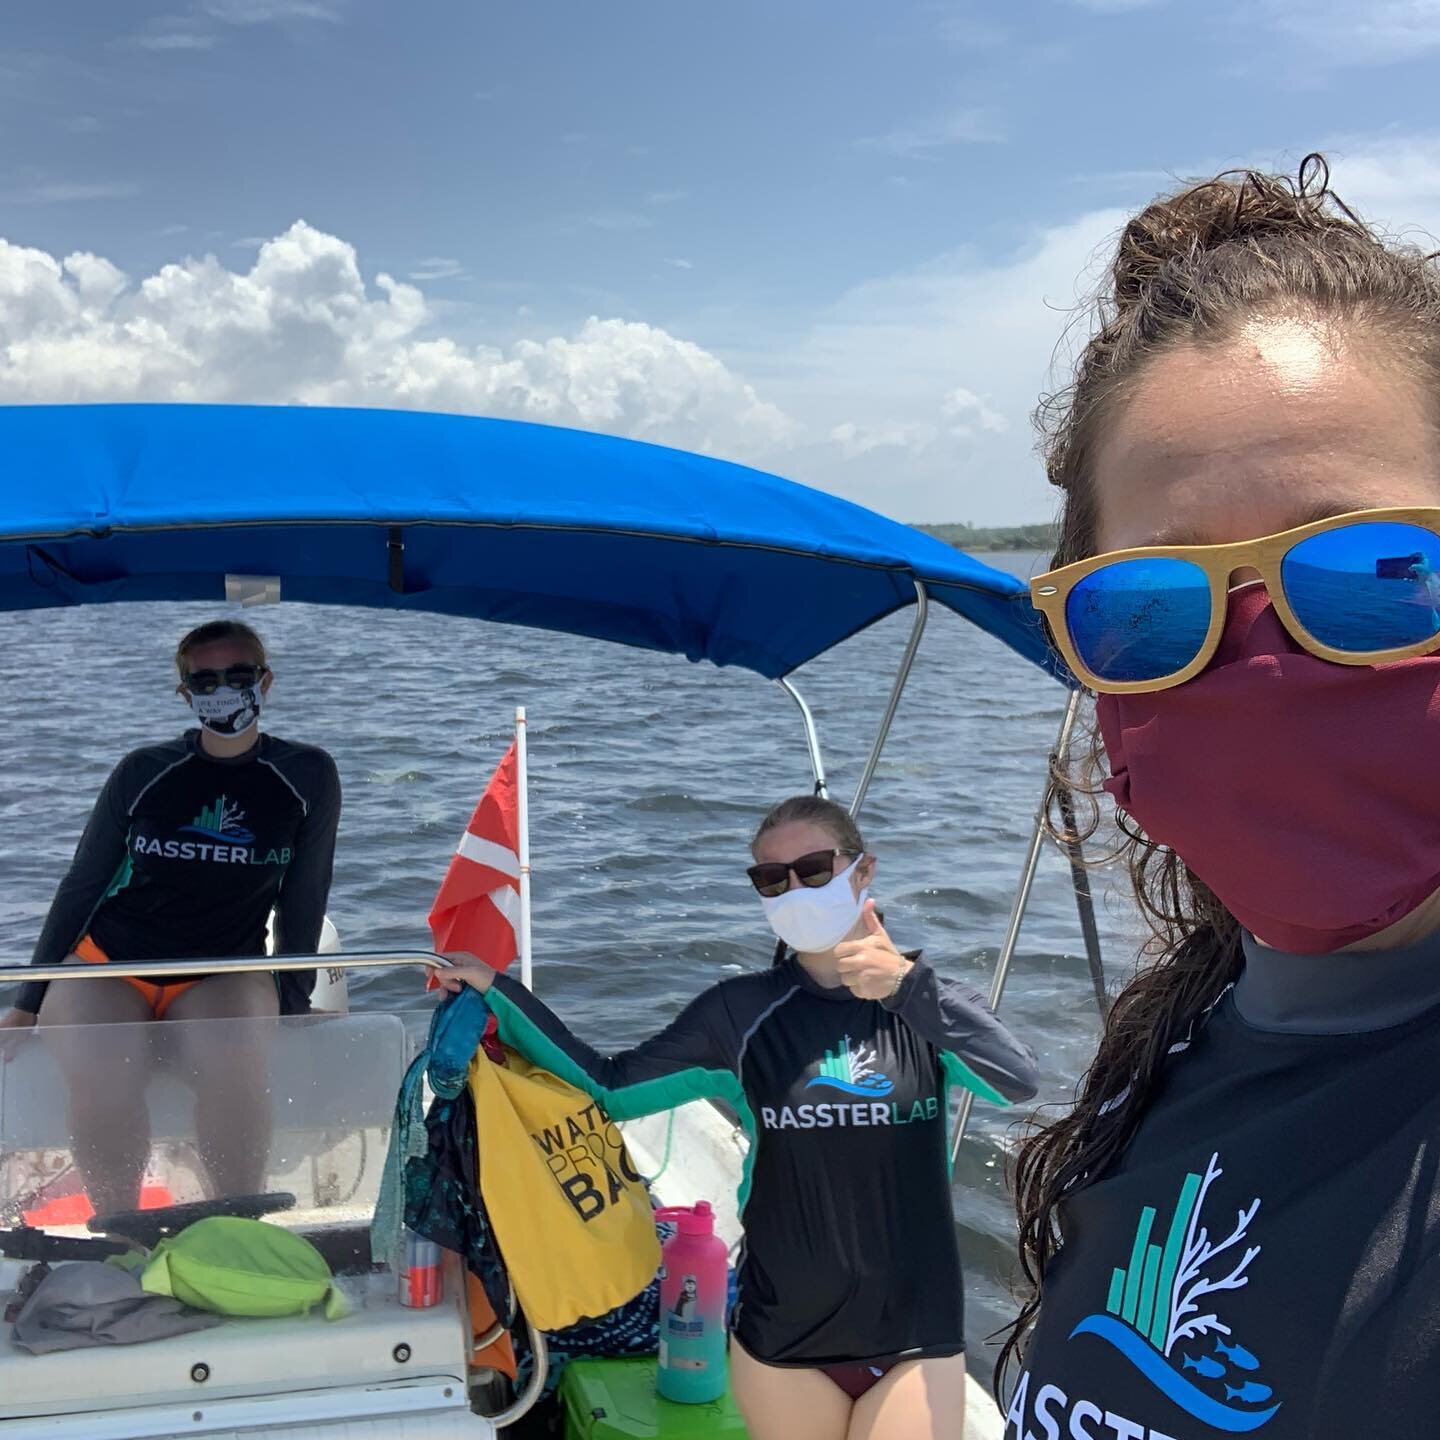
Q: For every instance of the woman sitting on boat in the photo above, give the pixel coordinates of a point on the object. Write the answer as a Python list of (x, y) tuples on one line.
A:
[(190, 846), (1234, 1229), (849, 1318)]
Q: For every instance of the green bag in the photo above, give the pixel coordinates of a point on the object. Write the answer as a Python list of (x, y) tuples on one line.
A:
[(232, 1266)]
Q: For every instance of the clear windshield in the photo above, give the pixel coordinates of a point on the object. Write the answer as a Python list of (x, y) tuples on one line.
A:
[(287, 1118)]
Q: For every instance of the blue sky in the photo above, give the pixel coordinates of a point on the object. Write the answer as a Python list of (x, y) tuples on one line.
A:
[(833, 240)]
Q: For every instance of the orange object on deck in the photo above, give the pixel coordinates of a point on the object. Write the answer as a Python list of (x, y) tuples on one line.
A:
[(76, 1209), (500, 1354)]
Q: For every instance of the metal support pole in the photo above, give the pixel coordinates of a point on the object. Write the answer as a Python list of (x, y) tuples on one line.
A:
[(812, 737), (522, 824), (1085, 904), (1022, 900), (922, 610), (222, 965)]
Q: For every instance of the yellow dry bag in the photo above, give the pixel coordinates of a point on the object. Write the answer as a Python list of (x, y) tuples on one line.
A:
[(569, 1209)]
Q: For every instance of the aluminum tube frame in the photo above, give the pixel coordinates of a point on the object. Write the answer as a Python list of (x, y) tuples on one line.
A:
[(922, 612), (812, 736), (530, 1396), (1021, 903), (225, 964)]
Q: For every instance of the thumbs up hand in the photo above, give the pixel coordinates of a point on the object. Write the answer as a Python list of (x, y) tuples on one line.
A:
[(871, 967)]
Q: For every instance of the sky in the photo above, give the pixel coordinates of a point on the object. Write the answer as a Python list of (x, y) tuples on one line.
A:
[(840, 241)]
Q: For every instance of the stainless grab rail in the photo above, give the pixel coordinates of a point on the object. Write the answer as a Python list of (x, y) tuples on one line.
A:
[(922, 611), (224, 964), (1022, 901)]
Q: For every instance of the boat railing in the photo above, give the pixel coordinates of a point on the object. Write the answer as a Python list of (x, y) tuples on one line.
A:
[(225, 964)]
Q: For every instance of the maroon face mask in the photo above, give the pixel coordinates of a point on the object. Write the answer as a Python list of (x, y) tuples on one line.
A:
[(1305, 794)]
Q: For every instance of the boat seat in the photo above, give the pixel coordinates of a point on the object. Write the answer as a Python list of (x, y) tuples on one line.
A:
[(380, 1341)]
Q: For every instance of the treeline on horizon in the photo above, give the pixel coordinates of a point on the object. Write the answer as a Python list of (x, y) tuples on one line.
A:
[(994, 537)]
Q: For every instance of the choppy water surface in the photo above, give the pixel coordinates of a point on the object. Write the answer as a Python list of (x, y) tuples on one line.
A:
[(647, 775)]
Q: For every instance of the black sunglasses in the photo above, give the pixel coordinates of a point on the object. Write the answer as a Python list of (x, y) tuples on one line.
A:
[(772, 878), (236, 677)]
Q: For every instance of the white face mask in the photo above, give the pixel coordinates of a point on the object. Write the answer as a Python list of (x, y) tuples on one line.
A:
[(227, 712), (811, 921)]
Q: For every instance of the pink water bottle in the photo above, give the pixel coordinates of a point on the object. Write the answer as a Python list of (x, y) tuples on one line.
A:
[(694, 1285)]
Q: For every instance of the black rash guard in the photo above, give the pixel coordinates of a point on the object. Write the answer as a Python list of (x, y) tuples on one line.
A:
[(1264, 1259), (850, 1252), (185, 854)]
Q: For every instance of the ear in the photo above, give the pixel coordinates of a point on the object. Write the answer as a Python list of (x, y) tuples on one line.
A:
[(864, 873), (184, 694), (267, 681)]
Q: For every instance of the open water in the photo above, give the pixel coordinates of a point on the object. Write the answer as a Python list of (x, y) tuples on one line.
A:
[(648, 774)]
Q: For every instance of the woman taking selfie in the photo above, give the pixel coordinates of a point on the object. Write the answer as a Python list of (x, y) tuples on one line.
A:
[(1234, 1229), (849, 1318)]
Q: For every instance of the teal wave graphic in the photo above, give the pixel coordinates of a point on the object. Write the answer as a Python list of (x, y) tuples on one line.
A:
[(237, 836), (875, 1085), (1156, 1369)]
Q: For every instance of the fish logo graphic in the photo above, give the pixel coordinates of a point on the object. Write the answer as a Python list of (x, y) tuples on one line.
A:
[(1155, 1306), (853, 1073)]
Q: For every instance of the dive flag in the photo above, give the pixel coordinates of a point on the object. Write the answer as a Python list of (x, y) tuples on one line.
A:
[(477, 907)]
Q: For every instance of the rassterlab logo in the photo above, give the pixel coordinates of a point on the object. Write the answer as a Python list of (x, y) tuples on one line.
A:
[(221, 821), (1158, 1315), (851, 1071)]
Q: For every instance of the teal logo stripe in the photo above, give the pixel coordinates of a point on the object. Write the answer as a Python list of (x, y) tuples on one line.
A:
[(1184, 1207)]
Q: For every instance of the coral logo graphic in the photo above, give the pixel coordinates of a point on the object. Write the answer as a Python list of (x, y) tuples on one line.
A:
[(851, 1071), (1155, 1317), (221, 821)]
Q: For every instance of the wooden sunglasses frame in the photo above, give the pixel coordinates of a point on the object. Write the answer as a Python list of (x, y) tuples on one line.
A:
[(1050, 593)]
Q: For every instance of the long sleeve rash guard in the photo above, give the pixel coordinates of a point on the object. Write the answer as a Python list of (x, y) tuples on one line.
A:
[(186, 854), (850, 1252)]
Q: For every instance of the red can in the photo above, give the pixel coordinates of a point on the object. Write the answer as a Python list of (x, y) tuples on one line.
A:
[(421, 1279)]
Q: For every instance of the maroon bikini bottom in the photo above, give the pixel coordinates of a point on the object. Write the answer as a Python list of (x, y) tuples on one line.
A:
[(855, 1380)]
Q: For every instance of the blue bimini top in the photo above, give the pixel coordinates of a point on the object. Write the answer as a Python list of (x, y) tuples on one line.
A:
[(525, 524)]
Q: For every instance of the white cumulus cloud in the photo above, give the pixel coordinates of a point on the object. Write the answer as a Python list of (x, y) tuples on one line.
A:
[(302, 325), (966, 412)]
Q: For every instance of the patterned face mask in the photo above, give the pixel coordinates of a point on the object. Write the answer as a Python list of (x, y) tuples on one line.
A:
[(227, 712)]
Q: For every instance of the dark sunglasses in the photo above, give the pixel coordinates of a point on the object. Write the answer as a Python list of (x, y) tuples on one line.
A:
[(772, 878), (237, 677), (1357, 589)]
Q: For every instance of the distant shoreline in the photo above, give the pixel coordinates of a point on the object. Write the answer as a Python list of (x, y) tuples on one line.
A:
[(982, 538)]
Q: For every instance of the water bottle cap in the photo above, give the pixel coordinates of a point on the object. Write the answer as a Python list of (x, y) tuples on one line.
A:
[(697, 1219)]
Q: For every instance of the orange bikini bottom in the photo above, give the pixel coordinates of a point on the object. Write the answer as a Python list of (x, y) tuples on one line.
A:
[(160, 997)]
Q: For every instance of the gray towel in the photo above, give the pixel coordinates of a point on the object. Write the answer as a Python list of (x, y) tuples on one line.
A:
[(90, 1303)]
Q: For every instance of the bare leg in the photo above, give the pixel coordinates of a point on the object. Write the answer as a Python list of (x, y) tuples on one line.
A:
[(919, 1400), (106, 1073), (780, 1403), (229, 1069)]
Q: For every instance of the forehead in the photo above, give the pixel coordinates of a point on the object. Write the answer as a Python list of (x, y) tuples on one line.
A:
[(220, 655), (1277, 427), (790, 841)]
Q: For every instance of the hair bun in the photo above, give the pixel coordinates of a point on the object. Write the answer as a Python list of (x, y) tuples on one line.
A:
[(1240, 205)]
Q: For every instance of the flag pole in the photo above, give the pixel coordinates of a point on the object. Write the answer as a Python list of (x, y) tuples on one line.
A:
[(522, 786)]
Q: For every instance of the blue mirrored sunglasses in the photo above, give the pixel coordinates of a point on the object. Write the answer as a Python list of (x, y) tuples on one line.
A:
[(1358, 589)]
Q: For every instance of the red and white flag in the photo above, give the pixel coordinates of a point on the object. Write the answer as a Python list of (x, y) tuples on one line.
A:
[(477, 907)]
